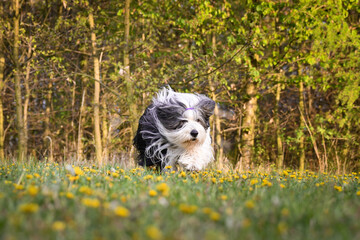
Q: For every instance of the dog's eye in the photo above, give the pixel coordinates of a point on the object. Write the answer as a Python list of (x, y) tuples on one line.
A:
[(198, 120), (181, 124)]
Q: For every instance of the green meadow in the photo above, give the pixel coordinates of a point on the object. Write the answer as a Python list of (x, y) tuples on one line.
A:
[(56, 201)]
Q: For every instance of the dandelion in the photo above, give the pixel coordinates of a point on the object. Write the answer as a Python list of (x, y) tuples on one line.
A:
[(58, 226), (69, 195), (122, 212), (282, 185), (215, 216), (153, 232), (249, 204), (78, 171), (207, 210), (148, 177), (29, 176), (338, 188), (86, 190), (223, 197), (358, 193), (246, 223), (285, 212), (91, 202), (152, 193), (182, 174), (244, 176), (266, 183), (189, 209), (282, 227), (33, 190), (163, 188), (213, 180), (253, 181), (29, 208), (18, 186)]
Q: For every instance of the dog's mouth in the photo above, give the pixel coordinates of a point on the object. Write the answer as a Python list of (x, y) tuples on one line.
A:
[(192, 140)]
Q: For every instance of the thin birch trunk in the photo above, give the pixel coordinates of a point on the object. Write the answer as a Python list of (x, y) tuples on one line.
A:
[(18, 97), (97, 131)]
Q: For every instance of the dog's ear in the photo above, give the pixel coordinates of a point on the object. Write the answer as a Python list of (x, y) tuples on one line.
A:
[(206, 106)]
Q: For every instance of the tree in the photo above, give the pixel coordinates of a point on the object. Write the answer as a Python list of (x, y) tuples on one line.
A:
[(97, 131), (22, 141)]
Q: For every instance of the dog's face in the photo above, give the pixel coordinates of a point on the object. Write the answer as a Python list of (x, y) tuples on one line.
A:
[(183, 126)]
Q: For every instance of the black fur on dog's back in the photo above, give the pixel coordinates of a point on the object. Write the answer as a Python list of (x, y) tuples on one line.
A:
[(146, 134)]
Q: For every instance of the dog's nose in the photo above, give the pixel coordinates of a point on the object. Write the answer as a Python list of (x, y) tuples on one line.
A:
[(194, 133)]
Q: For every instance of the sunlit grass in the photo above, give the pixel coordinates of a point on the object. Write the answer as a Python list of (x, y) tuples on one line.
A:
[(48, 201)]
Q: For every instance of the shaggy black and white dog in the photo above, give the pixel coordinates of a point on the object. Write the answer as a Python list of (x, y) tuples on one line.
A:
[(175, 129)]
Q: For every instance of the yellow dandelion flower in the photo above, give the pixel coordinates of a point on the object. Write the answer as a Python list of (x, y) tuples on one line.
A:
[(244, 176), (152, 193), (246, 223), (18, 186), (86, 190), (266, 183), (36, 175), (69, 195), (91, 202), (189, 209), (215, 216), (254, 181), (282, 185), (29, 176), (58, 226), (182, 174), (159, 178), (249, 204), (223, 197), (207, 210), (148, 177), (121, 211), (285, 212), (282, 227), (338, 188), (123, 199), (33, 190), (153, 232), (213, 180), (163, 188), (168, 167), (358, 193), (78, 171), (29, 208)]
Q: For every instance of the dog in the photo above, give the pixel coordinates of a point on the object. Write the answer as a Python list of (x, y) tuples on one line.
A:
[(175, 130)]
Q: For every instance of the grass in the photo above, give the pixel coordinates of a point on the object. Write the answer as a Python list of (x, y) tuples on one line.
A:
[(55, 201)]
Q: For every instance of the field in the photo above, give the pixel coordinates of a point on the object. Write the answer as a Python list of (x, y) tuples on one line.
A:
[(56, 201)]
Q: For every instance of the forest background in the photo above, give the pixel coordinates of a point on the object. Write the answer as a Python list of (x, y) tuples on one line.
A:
[(75, 76)]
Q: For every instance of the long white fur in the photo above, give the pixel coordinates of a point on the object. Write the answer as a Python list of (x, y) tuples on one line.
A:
[(191, 155)]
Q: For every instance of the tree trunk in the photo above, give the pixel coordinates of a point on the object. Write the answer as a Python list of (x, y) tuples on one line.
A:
[(80, 145), (302, 127), (47, 132), (280, 151), (27, 93), (2, 67), (105, 131), (19, 107), (97, 132), (128, 81), (248, 128), (216, 119)]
